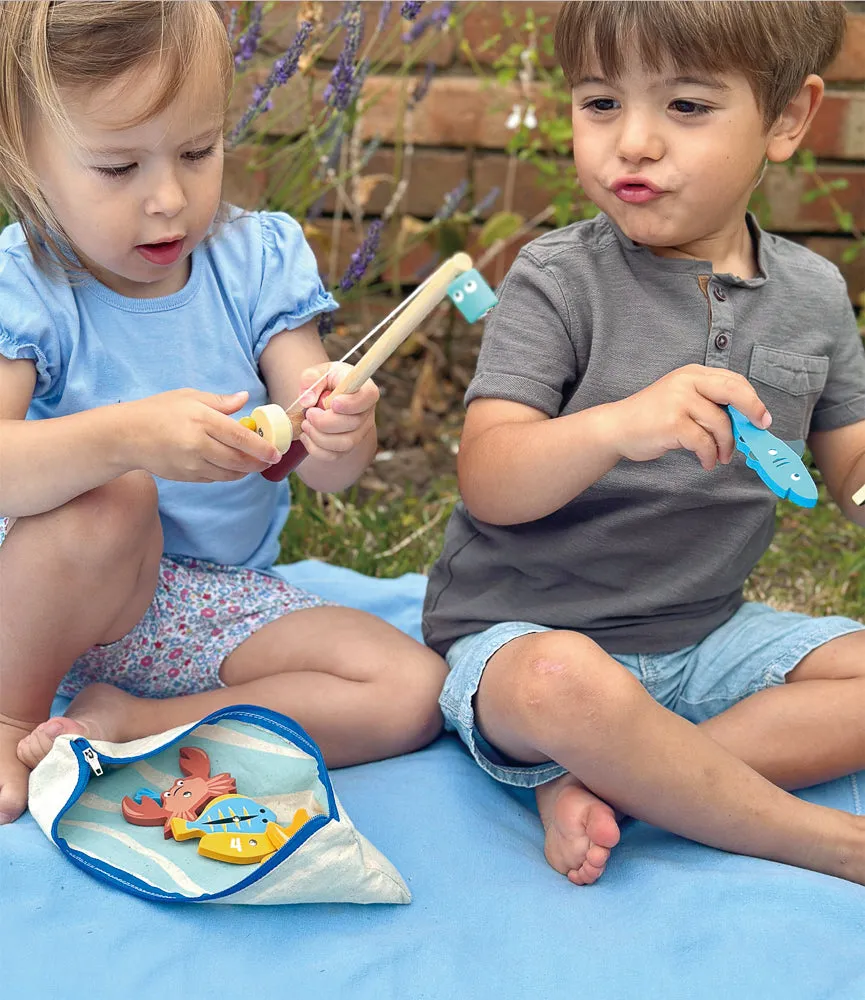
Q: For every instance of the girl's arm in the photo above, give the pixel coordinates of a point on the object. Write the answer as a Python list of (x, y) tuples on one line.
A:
[(349, 426), (36, 473), (183, 435)]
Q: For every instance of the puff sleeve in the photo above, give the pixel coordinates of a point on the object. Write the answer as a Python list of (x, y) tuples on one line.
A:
[(38, 320), (291, 290)]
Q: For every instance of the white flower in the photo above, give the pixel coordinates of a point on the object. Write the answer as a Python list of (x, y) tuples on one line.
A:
[(514, 118)]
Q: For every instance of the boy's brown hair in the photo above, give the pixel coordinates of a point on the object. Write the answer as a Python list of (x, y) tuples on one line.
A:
[(69, 45), (775, 45)]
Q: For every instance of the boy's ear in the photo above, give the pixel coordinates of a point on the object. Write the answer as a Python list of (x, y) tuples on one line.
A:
[(792, 124)]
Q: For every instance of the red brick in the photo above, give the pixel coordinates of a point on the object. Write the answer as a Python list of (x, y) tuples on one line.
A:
[(850, 64), (784, 191), (281, 23), (838, 129), (457, 111), (241, 185), (433, 173), (484, 22), (832, 248)]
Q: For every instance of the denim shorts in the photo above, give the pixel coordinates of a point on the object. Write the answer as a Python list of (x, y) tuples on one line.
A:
[(755, 649)]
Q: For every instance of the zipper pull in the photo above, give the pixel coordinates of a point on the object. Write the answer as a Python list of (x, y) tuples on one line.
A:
[(89, 755)]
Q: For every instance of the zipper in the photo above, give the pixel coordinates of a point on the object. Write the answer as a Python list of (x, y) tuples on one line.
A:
[(264, 717), (89, 755)]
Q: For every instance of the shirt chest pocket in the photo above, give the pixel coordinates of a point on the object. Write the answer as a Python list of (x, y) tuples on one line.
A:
[(790, 385)]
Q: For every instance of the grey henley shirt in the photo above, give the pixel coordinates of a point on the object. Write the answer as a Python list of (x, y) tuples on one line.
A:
[(653, 556)]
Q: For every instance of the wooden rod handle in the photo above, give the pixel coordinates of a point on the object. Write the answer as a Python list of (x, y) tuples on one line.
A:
[(406, 322)]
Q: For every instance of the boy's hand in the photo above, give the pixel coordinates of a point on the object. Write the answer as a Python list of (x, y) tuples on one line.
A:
[(684, 410), (187, 435), (330, 434)]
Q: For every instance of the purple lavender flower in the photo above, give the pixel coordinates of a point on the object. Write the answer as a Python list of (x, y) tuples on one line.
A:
[(325, 324), (281, 72), (439, 18), (383, 15), (421, 87), (363, 256), (248, 42), (486, 202), (409, 11), (451, 202), (232, 25), (340, 89)]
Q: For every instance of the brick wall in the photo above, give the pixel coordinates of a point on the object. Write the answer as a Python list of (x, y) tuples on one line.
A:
[(459, 133)]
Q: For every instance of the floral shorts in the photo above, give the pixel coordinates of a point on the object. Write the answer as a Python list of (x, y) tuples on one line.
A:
[(200, 613)]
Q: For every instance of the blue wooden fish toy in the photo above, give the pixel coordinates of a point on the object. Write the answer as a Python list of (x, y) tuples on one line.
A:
[(774, 461), (472, 295), (237, 829)]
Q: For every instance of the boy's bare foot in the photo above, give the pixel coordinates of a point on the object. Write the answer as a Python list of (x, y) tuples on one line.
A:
[(581, 829), (13, 774), (97, 712)]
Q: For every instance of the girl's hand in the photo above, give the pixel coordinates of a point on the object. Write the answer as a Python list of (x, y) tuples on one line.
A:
[(684, 410), (330, 434), (188, 435)]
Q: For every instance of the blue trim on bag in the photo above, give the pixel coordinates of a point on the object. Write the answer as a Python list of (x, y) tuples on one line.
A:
[(264, 717)]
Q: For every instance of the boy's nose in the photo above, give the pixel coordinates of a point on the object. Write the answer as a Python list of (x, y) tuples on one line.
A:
[(166, 198), (639, 139)]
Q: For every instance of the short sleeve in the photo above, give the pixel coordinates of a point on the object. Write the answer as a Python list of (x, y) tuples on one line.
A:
[(526, 353), (842, 401), (291, 290), (34, 320)]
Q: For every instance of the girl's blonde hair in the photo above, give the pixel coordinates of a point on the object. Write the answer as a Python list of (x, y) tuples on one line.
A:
[(775, 45), (48, 47)]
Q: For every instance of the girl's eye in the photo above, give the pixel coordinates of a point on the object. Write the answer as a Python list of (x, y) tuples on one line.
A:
[(200, 154), (690, 108), (115, 171)]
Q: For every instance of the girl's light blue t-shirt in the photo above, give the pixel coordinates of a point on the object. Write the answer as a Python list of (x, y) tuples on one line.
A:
[(92, 347)]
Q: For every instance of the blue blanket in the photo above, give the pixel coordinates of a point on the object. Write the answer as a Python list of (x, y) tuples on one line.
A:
[(669, 919)]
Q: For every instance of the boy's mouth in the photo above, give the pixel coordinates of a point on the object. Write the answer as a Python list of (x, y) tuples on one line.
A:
[(163, 253), (635, 190)]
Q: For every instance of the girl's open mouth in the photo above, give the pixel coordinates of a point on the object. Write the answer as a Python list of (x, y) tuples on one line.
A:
[(161, 253)]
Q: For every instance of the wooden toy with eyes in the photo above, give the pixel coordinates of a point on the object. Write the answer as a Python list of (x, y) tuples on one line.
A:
[(456, 278)]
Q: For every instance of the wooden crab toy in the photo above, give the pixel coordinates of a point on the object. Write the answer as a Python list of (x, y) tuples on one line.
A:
[(456, 278), (184, 799)]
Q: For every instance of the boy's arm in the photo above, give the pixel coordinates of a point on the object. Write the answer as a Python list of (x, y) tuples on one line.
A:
[(516, 464), (286, 356), (840, 457)]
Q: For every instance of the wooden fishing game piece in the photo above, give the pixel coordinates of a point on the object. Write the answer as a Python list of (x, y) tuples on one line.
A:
[(184, 799), (859, 496), (456, 278), (237, 829)]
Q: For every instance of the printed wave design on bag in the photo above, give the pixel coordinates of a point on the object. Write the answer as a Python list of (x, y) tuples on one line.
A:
[(309, 850)]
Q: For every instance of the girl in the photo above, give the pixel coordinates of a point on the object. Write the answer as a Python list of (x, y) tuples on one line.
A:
[(136, 549)]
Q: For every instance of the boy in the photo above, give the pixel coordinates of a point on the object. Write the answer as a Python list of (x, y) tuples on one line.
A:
[(589, 595)]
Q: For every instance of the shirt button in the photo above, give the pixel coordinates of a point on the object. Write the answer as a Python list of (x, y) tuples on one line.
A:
[(719, 293), (721, 341)]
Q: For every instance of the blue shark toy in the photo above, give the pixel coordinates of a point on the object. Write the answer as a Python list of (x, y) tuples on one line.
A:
[(774, 461), (472, 295)]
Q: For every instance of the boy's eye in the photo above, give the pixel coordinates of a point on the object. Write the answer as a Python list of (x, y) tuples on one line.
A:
[(601, 104), (689, 108)]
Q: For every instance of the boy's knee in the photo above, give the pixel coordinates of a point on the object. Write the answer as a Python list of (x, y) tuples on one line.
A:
[(565, 675)]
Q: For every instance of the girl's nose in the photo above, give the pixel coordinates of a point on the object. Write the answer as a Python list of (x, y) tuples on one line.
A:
[(166, 197), (639, 139)]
